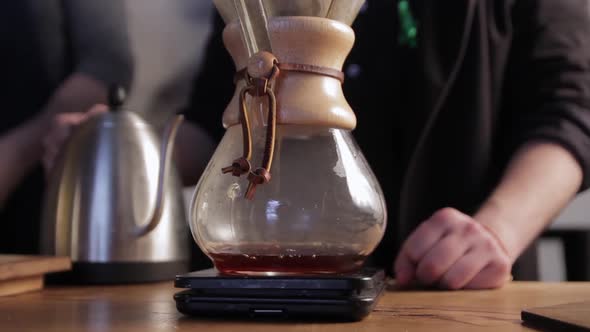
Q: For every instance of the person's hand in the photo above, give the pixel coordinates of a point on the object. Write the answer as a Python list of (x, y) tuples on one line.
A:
[(451, 250), (59, 131)]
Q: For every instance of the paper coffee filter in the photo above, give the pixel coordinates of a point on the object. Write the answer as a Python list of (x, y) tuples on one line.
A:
[(344, 11)]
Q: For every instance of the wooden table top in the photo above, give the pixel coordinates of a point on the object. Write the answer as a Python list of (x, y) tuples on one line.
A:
[(150, 307)]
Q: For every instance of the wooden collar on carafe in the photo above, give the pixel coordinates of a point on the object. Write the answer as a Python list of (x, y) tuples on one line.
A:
[(260, 74), (297, 67)]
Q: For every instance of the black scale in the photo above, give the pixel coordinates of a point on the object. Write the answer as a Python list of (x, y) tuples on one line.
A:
[(344, 297)]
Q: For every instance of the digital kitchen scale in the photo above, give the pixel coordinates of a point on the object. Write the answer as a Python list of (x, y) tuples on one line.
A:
[(344, 297)]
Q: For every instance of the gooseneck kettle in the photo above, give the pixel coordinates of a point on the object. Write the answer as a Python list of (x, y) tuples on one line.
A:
[(114, 201)]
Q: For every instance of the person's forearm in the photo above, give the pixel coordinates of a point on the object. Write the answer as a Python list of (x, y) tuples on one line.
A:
[(540, 180), (20, 149), (78, 93)]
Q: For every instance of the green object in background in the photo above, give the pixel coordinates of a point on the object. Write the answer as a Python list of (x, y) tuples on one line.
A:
[(408, 34)]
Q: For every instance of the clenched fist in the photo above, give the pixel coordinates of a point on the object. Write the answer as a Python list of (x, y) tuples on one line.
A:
[(451, 250)]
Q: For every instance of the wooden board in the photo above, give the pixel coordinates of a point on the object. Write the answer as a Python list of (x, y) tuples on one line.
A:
[(562, 317), (22, 285), (19, 274)]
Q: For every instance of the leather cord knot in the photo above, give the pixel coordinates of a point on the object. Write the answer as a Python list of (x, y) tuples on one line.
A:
[(259, 86), (259, 176), (297, 67), (239, 167)]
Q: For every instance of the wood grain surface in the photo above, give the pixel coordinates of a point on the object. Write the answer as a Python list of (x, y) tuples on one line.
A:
[(150, 307)]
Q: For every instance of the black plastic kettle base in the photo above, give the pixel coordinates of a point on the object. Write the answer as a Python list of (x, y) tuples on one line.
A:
[(118, 273)]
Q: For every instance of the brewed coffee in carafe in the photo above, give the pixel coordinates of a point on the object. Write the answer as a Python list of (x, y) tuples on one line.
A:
[(288, 191)]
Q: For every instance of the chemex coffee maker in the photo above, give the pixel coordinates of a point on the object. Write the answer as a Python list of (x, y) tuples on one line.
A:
[(288, 208)]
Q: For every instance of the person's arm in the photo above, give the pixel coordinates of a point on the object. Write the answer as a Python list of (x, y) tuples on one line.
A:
[(539, 182), (78, 92), (20, 149), (454, 250), (550, 134), (23, 147)]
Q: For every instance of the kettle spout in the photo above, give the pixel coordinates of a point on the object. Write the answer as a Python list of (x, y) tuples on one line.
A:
[(166, 153)]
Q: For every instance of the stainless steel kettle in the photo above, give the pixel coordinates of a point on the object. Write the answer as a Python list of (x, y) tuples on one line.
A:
[(114, 201)]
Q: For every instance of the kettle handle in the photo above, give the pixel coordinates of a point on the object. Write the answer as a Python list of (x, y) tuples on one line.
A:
[(165, 160)]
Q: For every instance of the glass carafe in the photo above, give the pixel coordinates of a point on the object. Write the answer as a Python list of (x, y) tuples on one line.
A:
[(321, 210)]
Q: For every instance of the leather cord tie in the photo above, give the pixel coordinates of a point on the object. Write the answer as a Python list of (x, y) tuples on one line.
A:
[(297, 67), (262, 71)]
